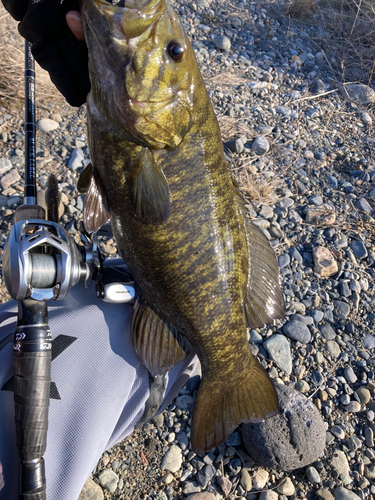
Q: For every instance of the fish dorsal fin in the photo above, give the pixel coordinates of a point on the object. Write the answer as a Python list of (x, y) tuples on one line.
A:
[(95, 210), (149, 189), (159, 345), (265, 300), (83, 183)]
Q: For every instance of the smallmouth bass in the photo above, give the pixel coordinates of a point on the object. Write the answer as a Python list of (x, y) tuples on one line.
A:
[(158, 172)]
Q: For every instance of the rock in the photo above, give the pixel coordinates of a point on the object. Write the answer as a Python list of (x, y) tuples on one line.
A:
[(46, 125), (327, 331), (364, 395), (234, 439), (297, 331), (172, 460), (158, 420), (369, 341), (370, 471), (222, 42), (316, 200), (324, 494), (108, 479), (342, 309), (342, 493), (302, 386), (260, 146), (353, 407), (5, 165), (333, 348), (317, 87), (350, 375), (358, 93), (3, 201), (268, 495), (340, 464), (283, 260), (205, 475), (191, 487), (57, 117), (366, 118), (278, 349), (235, 145), (359, 250), (183, 440), (313, 475), (245, 480), (338, 432), (184, 402), (324, 262), (260, 479), (286, 487), (283, 110), (91, 491), (320, 216), (363, 205), (225, 485), (293, 438), (10, 178), (76, 159), (204, 495)]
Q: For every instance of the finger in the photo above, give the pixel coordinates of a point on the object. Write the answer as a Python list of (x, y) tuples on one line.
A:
[(74, 21)]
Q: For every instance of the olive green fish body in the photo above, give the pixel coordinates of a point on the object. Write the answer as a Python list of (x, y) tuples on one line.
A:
[(202, 270)]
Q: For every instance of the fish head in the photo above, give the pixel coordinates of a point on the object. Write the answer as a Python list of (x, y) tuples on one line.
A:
[(140, 65)]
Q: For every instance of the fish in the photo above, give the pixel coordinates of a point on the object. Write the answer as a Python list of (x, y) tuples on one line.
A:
[(204, 272)]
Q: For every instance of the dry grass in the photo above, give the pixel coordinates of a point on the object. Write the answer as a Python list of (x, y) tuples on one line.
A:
[(258, 189), (350, 24), (226, 79), (301, 8), (12, 66), (232, 127)]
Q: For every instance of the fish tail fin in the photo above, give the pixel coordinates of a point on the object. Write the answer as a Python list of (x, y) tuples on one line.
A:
[(220, 408)]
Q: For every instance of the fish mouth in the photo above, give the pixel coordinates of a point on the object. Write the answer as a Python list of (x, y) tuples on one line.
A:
[(131, 17), (147, 107)]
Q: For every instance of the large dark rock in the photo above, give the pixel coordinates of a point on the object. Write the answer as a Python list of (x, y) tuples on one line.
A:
[(293, 438)]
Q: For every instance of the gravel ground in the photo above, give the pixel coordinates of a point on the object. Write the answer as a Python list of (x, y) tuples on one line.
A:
[(302, 148)]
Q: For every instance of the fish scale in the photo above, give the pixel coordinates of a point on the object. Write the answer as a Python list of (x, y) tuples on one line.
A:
[(159, 173)]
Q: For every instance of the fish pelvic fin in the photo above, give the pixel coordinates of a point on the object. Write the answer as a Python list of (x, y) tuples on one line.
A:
[(264, 301), (220, 408), (150, 190), (158, 344), (95, 210)]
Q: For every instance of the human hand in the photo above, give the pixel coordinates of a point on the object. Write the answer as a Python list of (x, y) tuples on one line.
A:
[(56, 34), (74, 21)]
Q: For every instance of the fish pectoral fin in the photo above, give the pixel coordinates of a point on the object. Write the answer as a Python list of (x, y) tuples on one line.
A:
[(159, 345), (84, 180), (220, 407), (95, 210), (150, 191), (265, 300)]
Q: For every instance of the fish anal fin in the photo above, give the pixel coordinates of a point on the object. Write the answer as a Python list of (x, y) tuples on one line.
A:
[(220, 408), (95, 210), (159, 345), (150, 190), (264, 300)]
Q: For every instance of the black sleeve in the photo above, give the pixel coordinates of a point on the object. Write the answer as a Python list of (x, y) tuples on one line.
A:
[(42, 22)]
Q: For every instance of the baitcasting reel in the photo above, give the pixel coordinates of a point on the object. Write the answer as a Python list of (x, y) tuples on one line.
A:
[(41, 261)]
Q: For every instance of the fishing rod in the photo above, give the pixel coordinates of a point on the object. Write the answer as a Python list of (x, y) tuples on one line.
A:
[(42, 262)]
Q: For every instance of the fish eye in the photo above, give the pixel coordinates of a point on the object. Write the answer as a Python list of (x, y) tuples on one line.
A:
[(176, 50)]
